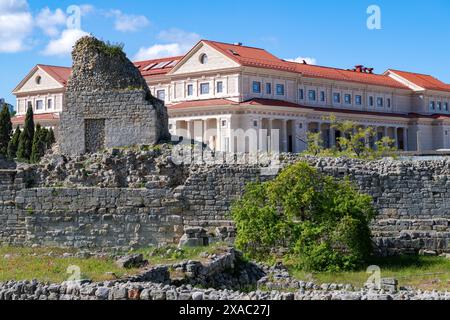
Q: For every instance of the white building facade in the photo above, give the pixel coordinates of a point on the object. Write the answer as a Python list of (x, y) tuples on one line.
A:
[(228, 96)]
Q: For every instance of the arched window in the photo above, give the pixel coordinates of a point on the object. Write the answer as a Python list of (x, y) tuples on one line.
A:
[(204, 58), (38, 80)]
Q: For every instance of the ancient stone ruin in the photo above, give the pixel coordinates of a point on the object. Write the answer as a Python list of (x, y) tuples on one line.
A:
[(108, 103)]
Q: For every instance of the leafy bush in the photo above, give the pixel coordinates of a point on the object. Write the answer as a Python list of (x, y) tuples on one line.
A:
[(322, 223), (355, 142)]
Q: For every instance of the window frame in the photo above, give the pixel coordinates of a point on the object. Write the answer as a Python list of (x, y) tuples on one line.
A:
[(380, 105), (219, 84), (268, 88), (37, 104), (347, 98), (358, 100), (312, 96), (336, 97), (280, 92), (190, 90), (158, 93), (256, 87), (322, 96), (202, 86)]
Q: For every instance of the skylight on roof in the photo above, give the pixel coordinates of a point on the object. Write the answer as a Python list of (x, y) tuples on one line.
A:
[(234, 52), (160, 65), (151, 65), (172, 64)]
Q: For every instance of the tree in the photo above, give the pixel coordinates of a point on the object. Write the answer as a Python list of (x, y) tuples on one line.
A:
[(355, 142), (26, 137), (50, 138), (321, 223), (39, 144), (5, 130), (13, 144)]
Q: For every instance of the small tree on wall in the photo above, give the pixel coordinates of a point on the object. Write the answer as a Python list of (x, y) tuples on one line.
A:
[(5, 130), (26, 137), (13, 144)]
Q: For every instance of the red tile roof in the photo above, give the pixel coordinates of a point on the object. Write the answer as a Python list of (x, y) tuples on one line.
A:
[(147, 67), (260, 58), (60, 74), (423, 80), (37, 117)]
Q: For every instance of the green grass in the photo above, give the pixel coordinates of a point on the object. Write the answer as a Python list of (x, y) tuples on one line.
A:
[(22, 265), (426, 273), (35, 263)]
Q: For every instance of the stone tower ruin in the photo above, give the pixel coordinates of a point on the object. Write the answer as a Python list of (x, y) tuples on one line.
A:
[(108, 103)]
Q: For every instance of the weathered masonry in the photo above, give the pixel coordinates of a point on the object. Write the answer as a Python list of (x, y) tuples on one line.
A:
[(148, 200), (108, 103)]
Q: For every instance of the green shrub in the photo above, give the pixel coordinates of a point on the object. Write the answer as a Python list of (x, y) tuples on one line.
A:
[(13, 144), (323, 223)]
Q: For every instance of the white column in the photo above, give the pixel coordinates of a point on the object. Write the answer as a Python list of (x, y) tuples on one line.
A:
[(396, 137), (283, 135), (190, 129), (218, 135), (405, 139)]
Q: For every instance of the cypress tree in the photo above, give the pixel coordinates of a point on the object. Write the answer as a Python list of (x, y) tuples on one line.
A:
[(13, 144), (39, 144), (50, 138), (5, 130), (26, 137)]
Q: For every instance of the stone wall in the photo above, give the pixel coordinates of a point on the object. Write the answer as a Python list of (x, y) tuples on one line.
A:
[(146, 199), (108, 103)]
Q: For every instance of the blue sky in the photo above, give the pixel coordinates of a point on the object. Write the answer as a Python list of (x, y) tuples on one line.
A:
[(414, 35)]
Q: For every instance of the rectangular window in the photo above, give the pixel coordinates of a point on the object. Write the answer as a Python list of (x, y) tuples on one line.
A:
[(432, 106), (219, 86), (255, 123), (336, 97), (301, 94), (312, 95), (388, 102), (49, 104), (204, 88), (379, 102), (268, 88), (348, 98), (446, 106), (322, 96), (256, 87), (358, 100), (224, 123), (439, 106), (39, 105), (190, 90), (280, 89), (371, 101), (161, 95), (29, 105)]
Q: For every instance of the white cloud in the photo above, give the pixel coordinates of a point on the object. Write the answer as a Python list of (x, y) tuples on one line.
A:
[(178, 42), (158, 51), (64, 44), (50, 22), (16, 23), (308, 60), (86, 9), (174, 35), (128, 22)]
